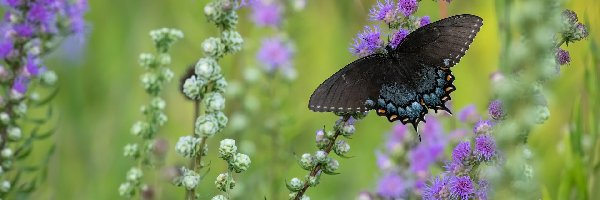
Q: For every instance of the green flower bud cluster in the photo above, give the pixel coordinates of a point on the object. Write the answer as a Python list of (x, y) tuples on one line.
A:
[(320, 162), (157, 75)]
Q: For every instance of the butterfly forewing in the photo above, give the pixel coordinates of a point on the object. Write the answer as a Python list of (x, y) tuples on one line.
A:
[(442, 43)]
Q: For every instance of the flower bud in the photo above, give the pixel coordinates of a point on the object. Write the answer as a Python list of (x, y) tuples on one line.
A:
[(321, 156), (240, 162), (295, 185), (227, 149), (307, 162), (341, 147), (224, 183)]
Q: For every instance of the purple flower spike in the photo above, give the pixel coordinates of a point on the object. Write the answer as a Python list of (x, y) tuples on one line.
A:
[(461, 187), (485, 147), (461, 152), (483, 127), (469, 114), (391, 186), (75, 12), (563, 57), (383, 12), (23, 30), (496, 110), (396, 137), (367, 42), (266, 13), (408, 7), (275, 54), (398, 37), (438, 189), (424, 20)]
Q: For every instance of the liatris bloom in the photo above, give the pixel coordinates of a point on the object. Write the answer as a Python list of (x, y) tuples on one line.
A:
[(438, 189), (384, 11), (424, 20), (483, 127), (468, 114), (485, 147), (275, 54), (461, 187), (496, 110), (562, 57), (408, 7), (367, 42), (266, 13), (461, 152), (391, 186), (398, 37)]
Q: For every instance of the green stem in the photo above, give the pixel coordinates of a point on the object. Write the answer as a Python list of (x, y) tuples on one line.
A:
[(195, 162)]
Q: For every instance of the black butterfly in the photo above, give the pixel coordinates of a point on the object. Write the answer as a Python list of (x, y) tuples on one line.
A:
[(406, 81)]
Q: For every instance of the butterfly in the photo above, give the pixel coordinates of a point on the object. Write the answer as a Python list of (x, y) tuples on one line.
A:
[(406, 81)]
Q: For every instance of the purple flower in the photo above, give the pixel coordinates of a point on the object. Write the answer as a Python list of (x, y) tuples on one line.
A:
[(23, 30), (383, 161), (424, 20), (75, 12), (581, 31), (408, 7), (483, 127), (367, 42), (33, 66), (468, 114), (383, 11), (266, 13), (391, 186), (438, 189), (6, 47), (275, 53), (461, 187), (485, 147), (562, 57), (398, 37), (461, 152), (482, 191), (44, 13), (569, 16), (20, 85), (11, 3), (420, 159), (495, 109), (396, 137)]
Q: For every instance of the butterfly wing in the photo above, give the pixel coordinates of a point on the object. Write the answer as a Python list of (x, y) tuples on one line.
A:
[(349, 88), (442, 43)]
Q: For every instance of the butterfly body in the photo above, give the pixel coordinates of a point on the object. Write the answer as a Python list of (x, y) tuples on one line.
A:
[(406, 81)]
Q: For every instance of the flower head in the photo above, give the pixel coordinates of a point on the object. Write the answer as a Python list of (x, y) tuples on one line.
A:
[(424, 20), (408, 7), (461, 152), (383, 161), (367, 42), (562, 57), (485, 147), (396, 137), (19, 87), (482, 191), (438, 189), (398, 37), (391, 186), (275, 53), (266, 13), (483, 127), (383, 11), (6, 47), (496, 110), (461, 187)]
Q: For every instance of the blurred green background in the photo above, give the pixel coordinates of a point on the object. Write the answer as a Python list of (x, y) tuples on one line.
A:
[(100, 96)]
